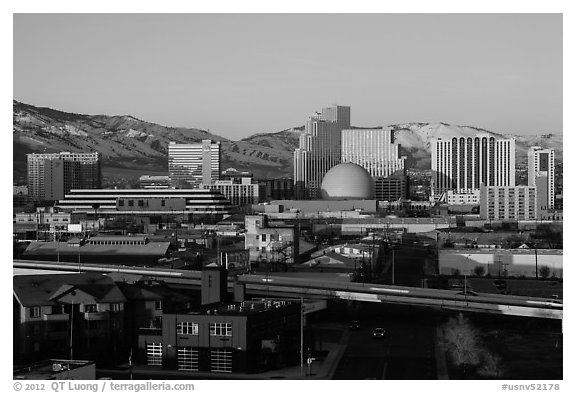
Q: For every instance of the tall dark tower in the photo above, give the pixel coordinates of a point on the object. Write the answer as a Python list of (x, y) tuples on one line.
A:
[(214, 284)]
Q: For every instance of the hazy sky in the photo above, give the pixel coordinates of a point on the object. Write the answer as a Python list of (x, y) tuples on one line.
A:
[(246, 73)]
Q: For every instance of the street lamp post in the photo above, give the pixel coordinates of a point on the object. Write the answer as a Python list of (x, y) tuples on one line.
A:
[(393, 265)]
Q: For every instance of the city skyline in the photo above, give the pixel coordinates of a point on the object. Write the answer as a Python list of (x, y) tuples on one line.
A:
[(163, 68)]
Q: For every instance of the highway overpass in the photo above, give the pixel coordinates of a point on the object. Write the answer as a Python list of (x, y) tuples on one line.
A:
[(278, 286)]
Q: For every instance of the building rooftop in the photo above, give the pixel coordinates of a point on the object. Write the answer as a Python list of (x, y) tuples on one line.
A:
[(248, 307), (37, 290), (151, 249), (49, 369)]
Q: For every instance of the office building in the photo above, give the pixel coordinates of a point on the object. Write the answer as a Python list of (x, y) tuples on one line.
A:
[(51, 175), (145, 202), (190, 165), (508, 203), (240, 191), (391, 188), (540, 165), (320, 149), (465, 163), (373, 149), (276, 189)]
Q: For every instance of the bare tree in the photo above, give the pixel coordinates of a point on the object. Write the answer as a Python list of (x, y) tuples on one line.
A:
[(462, 343), (544, 272)]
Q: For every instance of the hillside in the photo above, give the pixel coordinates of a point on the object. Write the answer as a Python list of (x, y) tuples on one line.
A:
[(131, 147)]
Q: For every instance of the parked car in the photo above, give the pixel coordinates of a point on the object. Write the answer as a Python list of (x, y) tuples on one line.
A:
[(378, 333)]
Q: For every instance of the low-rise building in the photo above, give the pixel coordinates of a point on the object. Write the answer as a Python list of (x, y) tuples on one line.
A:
[(134, 202), (466, 197), (508, 203), (148, 182), (125, 250), (268, 243), (239, 192), (501, 262), (224, 337), (57, 369)]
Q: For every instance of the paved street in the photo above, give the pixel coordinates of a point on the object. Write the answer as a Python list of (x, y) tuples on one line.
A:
[(406, 353)]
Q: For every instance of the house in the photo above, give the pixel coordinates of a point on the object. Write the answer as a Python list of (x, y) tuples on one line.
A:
[(67, 316)]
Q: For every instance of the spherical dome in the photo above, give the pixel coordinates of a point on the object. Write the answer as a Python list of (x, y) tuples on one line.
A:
[(347, 181)]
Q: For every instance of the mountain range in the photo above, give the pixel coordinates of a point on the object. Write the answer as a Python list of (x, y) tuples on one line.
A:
[(131, 147)]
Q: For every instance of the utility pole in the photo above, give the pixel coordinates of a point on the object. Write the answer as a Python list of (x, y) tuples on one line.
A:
[(301, 336), (536, 256), (393, 265), (71, 330)]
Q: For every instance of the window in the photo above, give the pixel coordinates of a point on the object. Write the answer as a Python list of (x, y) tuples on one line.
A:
[(221, 360), (264, 237), (188, 359), (115, 307), (163, 203), (89, 308), (35, 312), (221, 329), (121, 203), (56, 310), (187, 328), (158, 304), (140, 203), (130, 203), (154, 354)]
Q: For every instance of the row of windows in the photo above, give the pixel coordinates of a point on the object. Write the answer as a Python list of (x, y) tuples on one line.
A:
[(36, 312), (192, 328)]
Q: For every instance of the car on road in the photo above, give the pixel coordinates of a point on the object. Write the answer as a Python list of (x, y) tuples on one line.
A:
[(467, 293), (378, 333), (354, 325)]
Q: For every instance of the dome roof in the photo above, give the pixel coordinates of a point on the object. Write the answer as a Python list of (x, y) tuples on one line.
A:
[(347, 181)]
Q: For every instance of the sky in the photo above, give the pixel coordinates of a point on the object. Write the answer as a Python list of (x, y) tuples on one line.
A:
[(240, 74)]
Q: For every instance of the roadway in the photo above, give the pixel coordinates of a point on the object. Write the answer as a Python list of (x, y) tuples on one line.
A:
[(407, 352), (298, 287)]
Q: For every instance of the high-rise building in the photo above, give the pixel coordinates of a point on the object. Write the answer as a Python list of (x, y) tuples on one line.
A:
[(540, 164), (374, 149), (190, 165), (52, 175), (465, 163), (319, 150)]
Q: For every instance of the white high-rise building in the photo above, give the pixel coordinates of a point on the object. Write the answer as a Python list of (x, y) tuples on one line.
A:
[(373, 149), (463, 163), (193, 164), (319, 150), (540, 164)]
